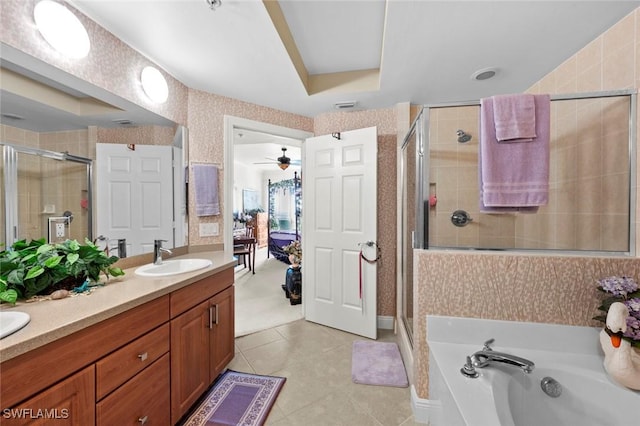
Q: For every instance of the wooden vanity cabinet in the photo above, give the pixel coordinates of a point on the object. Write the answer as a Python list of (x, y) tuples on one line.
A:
[(70, 402), (147, 365), (202, 338)]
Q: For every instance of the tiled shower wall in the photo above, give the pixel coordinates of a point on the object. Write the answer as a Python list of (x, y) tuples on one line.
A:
[(517, 287), (588, 196)]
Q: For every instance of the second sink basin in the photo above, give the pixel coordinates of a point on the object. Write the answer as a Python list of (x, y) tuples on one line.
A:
[(172, 267), (12, 321)]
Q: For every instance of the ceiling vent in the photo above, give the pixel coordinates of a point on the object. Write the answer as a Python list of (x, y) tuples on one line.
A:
[(12, 116), (345, 105), (123, 122)]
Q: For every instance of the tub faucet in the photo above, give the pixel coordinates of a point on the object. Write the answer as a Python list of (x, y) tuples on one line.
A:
[(158, 250), (488, 356)]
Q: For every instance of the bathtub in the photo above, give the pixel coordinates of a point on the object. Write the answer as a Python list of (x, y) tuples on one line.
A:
[(504, 395)]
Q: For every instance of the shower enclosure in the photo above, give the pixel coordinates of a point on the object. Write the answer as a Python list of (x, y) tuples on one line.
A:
[(592, 191), (591, 150), (44, 194)]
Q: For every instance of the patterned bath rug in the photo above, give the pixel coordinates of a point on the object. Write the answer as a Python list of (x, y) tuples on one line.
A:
[(377, 363), (237, 399)]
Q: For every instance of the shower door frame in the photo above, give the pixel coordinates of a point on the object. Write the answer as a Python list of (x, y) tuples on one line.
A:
[(10, 165), (632, 94)]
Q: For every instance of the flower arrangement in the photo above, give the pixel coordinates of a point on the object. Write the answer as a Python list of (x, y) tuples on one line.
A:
[(625, 290), (294, 249)]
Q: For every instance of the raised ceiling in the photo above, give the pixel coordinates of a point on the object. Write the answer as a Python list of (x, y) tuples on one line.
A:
[(376, 52)]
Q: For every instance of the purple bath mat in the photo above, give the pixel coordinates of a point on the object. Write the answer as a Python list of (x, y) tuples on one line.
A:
[(238, 399), (377, 363)]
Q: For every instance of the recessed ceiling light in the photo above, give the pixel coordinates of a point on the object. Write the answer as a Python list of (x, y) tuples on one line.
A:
[(61, 29), (484, 74), (154, 84)]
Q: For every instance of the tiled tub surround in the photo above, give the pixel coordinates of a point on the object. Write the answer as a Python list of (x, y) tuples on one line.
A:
[(505, 395), (506, 286)]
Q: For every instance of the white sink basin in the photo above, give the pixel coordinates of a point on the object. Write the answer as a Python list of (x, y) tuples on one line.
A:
[(172, 267), (11, 321)]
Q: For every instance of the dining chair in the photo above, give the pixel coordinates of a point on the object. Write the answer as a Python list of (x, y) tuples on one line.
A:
[(246, 247)]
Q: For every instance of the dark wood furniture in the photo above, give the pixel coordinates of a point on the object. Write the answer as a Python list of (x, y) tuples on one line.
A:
[(245, 246)]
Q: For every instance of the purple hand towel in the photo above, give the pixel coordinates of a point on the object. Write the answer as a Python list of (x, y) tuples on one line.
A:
[(514, 174), (205, 177), (514, 117)]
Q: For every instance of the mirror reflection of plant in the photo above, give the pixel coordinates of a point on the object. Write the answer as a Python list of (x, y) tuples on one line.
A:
[(28, 269)]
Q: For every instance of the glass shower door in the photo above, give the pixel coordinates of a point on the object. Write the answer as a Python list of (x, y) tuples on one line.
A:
[(45, 195)]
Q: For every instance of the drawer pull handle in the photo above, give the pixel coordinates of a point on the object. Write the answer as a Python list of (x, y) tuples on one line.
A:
[(143, 420), (143, 357)]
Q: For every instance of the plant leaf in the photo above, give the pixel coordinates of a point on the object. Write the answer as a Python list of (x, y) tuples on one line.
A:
[(34, 272), (72, 258), (52, 262), (9, 296)]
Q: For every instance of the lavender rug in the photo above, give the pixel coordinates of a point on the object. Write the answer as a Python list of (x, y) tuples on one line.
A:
[(238, 399), (377, 363)]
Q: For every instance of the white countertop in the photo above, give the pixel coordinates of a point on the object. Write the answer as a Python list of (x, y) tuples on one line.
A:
[(54, 319)]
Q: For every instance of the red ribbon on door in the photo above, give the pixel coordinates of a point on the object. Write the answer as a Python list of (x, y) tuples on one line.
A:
[(363, 257)]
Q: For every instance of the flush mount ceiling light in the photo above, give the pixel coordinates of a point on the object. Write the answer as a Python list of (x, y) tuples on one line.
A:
[(484, 74), (154, 84), (61, 29), (213, 4)]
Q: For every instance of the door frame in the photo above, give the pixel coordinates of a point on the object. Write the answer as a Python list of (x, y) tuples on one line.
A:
[(231, 123)]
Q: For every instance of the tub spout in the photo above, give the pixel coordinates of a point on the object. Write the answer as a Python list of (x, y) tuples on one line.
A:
[(485, 358)]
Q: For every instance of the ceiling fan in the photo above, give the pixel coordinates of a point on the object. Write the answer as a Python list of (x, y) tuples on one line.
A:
[(283, 162)]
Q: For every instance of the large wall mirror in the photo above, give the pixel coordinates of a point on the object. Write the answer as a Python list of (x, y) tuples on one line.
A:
[(80, 156)]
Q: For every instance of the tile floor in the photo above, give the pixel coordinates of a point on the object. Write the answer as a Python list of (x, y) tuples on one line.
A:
[(316, 361)]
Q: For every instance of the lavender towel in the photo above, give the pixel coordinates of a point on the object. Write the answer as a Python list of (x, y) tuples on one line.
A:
[(514, 174), (515, 117), (377, 363), (205, 177)]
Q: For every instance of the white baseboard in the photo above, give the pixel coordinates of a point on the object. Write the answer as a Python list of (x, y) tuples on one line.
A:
[(386, 322), (424, 410)]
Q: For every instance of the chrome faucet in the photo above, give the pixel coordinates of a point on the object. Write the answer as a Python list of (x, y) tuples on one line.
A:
[(158, 250), (488, 356)]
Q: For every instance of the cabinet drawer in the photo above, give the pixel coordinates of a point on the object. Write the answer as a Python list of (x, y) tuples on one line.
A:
[(40, 368), (115, 369), (143, 400)]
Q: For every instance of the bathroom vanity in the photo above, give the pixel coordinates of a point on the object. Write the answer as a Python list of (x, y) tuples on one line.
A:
[(137, 351)]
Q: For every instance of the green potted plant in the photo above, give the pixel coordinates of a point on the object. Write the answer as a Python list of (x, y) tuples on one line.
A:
[(31, 268)]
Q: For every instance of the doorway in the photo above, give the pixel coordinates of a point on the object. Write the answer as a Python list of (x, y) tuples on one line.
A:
[(251, 157)]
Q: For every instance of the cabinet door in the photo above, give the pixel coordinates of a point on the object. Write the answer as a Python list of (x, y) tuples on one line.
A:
[(143, 400), (70, 402), (189, 358), (222, 325)]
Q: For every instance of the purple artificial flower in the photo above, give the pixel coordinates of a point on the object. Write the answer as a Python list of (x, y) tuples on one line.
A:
[(633, 328), (633, 305), (618, 286)]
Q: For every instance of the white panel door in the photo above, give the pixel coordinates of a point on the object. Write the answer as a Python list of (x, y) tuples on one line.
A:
[(135, 195), (340, 212)]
